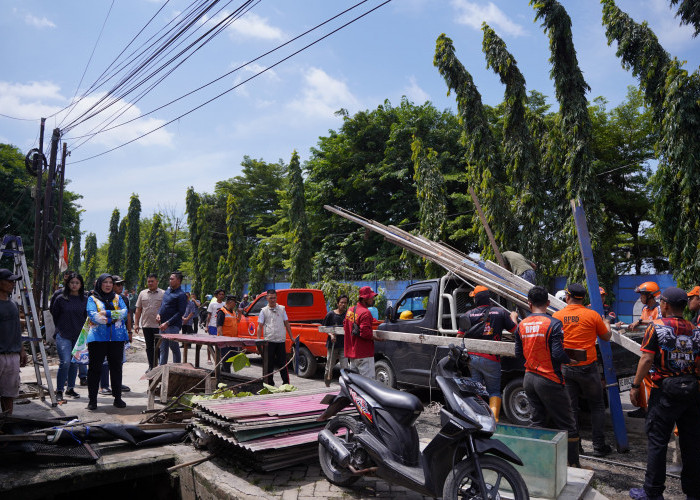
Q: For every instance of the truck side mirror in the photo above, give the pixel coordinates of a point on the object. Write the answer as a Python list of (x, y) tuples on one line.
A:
[(389, 313)]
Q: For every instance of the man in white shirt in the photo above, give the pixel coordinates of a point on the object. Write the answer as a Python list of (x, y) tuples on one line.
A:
[(273, 324), (147, 307), (216, 303)]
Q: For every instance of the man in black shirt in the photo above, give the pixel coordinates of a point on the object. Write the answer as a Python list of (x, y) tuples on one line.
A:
[(487, 323), (334, 345)]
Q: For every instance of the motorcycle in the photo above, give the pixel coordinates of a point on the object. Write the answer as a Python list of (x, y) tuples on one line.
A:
[(461, 461)]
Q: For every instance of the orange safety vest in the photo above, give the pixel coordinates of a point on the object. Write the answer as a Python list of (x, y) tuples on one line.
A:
[(230, 326)]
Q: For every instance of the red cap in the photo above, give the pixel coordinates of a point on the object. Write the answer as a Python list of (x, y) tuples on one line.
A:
[(366, 292)]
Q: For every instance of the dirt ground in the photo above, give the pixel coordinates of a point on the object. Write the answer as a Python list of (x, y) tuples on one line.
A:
[(613, 476)]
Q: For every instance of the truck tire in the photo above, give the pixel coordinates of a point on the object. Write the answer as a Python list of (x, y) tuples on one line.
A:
[(307, 363), (384, 373), (515, 403)]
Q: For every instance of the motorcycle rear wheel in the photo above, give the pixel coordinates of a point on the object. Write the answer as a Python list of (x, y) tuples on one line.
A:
[(463, 483), (348, 427)]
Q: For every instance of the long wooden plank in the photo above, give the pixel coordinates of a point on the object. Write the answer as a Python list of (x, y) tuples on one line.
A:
[(473, 345)]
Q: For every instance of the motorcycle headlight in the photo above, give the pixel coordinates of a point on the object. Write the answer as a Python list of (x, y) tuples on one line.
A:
[(485, 420)]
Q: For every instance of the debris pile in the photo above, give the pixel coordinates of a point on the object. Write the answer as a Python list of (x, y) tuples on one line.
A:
[(268, 432)]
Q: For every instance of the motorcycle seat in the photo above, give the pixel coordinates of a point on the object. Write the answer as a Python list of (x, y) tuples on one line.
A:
[(385, 396)]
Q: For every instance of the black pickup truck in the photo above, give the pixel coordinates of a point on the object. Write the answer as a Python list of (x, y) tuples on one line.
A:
[(435, 306)]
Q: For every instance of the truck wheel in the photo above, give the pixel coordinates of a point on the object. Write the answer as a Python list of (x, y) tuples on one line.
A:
[(307, 363), (515, 403), (384, 373)]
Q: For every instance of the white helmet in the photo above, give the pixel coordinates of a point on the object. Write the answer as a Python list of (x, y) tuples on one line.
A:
[(561, 295)]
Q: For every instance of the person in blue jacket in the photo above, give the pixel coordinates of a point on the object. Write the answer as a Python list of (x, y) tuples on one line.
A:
[(107, 333)]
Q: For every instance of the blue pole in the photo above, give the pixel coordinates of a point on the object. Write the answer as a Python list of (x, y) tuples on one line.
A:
[(584, 241)]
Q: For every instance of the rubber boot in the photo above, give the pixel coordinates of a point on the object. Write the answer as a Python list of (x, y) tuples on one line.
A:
[(495, 405), (572, 452)]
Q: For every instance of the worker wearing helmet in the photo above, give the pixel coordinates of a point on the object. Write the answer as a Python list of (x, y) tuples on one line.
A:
[(560, 295), (648, 291), (694, 304), (487, 323), (608, 313)]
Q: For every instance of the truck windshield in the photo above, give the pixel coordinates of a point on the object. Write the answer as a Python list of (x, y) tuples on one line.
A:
[(255, 309)]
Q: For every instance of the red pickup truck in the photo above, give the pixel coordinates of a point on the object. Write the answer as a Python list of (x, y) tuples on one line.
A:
[(306, 308)]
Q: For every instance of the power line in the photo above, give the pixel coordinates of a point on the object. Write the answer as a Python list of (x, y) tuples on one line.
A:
[(20, 119), (238, 85), (143, 115)]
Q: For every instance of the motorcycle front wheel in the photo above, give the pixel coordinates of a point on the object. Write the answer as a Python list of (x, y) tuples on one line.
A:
[(345, 428), (501, 478)]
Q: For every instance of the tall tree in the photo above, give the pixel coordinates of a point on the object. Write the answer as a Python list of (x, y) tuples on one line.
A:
[(689, 12), (260, 267), (673, 96), (155, 253), (121, 242), (432, 196), (236, 246), (132, 262), (575, 173), (90, 258), (223, 274), (192, 202), (300, 248), (485, 172), (523, 161), (114, 249), (207, 263)]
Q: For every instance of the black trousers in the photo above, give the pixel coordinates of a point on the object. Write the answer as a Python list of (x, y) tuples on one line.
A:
[(189, 329), (584, 381), (149, 335), (663, 414), (276, 358), (549, 398), (97, 351)]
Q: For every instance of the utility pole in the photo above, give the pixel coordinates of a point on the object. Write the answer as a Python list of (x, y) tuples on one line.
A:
[(38, 165), (59, 215), (48, 199)]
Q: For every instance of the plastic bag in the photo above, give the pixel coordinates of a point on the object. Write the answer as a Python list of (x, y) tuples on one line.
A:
[(80, 350)]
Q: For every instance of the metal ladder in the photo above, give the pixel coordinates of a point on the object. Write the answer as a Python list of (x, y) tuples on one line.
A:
[(12, 247)]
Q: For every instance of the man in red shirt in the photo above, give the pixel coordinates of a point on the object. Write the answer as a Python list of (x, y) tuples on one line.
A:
[(359, 348), (582, 328), (540, 340)]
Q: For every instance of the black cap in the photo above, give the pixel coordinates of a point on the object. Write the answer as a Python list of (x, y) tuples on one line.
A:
[(674, 296), (117, 279), (6, 274), (576, 291)]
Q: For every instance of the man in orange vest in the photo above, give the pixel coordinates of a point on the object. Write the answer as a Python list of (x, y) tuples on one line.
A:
[(582, 328), (227, 326)]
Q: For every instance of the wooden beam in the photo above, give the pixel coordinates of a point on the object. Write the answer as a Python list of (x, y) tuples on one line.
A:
[(482, 346)]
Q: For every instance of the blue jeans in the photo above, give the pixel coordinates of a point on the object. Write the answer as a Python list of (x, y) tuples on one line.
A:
[(488, 372), (169, 344), (529, 275), (66, 370)]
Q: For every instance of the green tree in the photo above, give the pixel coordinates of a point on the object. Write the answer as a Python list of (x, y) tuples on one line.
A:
[(207, 262), (237, 250), (485, 172), (132, 261), (300, 251), (430, 187), (223, 274), (672, 94), (574, 170), (90, 258), (689, 12), (260, 268), (115, 247), (155, 253), (121, 241), (192, 202)]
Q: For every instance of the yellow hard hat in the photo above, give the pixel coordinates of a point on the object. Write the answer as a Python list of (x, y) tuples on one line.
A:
[(406, 315)]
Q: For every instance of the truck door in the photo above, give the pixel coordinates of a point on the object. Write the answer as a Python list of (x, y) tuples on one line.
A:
[(416, 312)]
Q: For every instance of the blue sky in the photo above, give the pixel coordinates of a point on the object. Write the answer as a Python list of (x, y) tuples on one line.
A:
[(385, 55)]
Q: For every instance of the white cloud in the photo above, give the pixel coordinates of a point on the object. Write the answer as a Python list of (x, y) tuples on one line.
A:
[(38, 22), (667, 27), (473, 14), (414, 92), (254, 26), (323, 95), (36, 99)]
